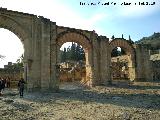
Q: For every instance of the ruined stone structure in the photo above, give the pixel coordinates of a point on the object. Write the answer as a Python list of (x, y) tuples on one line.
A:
[(42, 40), (12, 73), (155, 65), (120, 67)]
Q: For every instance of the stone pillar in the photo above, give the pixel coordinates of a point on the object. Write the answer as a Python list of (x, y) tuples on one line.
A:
[(28, 74), (36, 53), (94, 64), (143, 69), (25, 70), (131, 73), (28, 64), (131, 67), (54, 82), (89, 68), (105, 61), (45, 54)]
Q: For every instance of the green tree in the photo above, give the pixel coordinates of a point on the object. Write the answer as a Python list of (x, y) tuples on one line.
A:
[(82, 54), (73, 51), (63, 55), (78, 52), (115, 52)]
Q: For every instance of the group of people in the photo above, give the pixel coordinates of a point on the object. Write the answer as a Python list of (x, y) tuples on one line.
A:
[(6, 80), (4, 83)]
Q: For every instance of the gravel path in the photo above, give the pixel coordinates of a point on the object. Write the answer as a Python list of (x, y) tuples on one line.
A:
[(140, 101)]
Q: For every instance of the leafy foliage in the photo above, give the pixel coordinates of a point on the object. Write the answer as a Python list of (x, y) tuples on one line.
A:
[(116, 52), (73, 53)]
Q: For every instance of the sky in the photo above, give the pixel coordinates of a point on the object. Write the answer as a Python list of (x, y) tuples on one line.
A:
[(138, 21)]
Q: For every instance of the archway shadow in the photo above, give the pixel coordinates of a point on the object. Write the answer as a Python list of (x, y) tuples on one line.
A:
[(134, 100), (141, 86)]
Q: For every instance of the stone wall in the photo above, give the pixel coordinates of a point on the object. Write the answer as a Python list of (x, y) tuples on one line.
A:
[(42, 40), (143, 63)]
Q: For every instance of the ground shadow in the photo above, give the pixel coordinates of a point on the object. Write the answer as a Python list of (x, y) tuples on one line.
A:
[(131, 85), (136, 100)]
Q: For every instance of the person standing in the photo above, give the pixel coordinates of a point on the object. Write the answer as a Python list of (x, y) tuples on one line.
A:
[(8, 82), (3, 84), (0, 87), (21, 87)]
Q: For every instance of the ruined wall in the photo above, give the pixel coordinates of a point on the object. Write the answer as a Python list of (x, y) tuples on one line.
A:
[(143, 69), (128, 46), (104, 60), (42, 40)]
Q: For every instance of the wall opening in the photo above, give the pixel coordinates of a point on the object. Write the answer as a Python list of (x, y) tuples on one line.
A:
[(11, 61), (76, 37), (72, 65), (119, 63)]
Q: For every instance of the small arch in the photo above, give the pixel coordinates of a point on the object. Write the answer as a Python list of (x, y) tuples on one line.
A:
[(119, 42), (130, 52), (74, 36), (81, 39)]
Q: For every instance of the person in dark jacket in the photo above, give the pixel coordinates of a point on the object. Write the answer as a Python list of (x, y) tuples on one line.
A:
[(0, 87), (8, 82), (21, 87), (3, 83)]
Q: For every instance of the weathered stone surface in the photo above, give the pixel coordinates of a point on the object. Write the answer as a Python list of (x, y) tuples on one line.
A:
[(42, 40)]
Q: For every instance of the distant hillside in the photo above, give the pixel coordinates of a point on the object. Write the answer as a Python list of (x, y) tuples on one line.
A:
[(154, 40)]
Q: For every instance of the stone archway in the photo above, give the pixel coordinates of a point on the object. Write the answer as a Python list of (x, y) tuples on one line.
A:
[(13, 26), (130, 51), (81, 39)]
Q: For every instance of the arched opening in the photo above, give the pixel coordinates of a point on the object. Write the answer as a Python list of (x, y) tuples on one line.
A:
[(85, 72), (11, 62), (119, 63), (72, 64), (15, 27), (122, 60)]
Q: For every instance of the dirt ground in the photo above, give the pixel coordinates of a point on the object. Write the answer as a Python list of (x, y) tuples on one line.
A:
[(139, 101)]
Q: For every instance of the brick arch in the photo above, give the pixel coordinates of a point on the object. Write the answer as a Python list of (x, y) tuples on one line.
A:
[(129, 49), (74, 36), (124, 44), (80, 38), (7, 22), (13, 26)]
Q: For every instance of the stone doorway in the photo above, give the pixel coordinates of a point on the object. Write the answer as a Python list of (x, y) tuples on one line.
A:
[(122, 60), (72, 70), (11, 67), (81, 39)]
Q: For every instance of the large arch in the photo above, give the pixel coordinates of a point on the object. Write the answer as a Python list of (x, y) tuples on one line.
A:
[(15, 27), (130, 51), (80, 38)]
